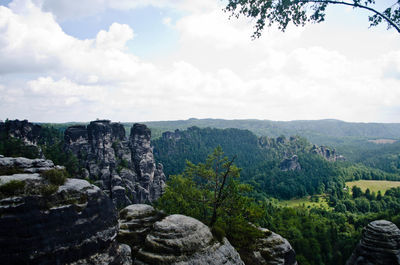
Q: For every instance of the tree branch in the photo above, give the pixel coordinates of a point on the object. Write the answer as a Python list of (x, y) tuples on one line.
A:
[(388, 20)]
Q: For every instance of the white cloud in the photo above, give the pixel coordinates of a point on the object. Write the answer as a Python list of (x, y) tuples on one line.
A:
[(167, 21), (216, 72)]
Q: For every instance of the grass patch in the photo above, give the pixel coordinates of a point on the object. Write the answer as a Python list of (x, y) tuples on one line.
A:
[(316, 201), (374, 185)]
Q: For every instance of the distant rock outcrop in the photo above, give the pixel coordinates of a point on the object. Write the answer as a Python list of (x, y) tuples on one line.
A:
[(379, 245), (124, 168), (270, 249), (290, 164), (328, 154), (175, 239), (27, 132), (45, 223)]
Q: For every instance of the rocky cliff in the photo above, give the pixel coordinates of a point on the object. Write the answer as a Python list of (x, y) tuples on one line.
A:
[(124, 168), (25, 131), (379, 245), (47, 219)]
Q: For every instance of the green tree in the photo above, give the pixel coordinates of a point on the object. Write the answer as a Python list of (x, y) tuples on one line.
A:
[(300, 12), (209, 192), (357, 192)]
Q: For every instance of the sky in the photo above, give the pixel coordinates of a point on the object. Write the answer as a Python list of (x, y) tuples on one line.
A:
[(149, 60)]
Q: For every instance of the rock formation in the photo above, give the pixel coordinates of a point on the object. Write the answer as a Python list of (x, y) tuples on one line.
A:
[(379, 245), (175, 239), (25, 165), (45, 223), (124, 168), (327, 153), (271, 249), (135, 222), (290, 164), (25, 131)]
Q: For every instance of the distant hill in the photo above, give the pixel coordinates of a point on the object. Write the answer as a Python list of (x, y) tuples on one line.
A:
[(316, 131)]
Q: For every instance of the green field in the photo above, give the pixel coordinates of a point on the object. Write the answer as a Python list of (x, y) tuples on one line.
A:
[(306, 202), (373, 185)]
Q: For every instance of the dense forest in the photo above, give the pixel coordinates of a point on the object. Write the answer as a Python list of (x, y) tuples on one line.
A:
[(261, 161), (319, 236)]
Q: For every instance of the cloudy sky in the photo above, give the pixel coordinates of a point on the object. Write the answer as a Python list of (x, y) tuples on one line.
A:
[(141, 60)]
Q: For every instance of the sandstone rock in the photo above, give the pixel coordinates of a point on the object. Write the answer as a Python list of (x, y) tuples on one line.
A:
[(135, 222), (23, 164), (379, 245), (124, 169), (178, 239), (271, 249), (290, 164), (75, 222), (27, 132), (328, 154)]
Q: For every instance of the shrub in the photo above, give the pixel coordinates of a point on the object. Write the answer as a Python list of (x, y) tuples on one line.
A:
[(55, 176), (12, 187), (48, 190)]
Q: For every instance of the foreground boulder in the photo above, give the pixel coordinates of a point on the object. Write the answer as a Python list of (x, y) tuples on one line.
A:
[(123, 168), (175, 239), (270, 249), (379, 245), (45, 221), (135, 222)]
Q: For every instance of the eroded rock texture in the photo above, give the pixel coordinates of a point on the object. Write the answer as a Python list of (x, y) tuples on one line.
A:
[(379, 245), (135, 222), (25, 165), (178, 239), (175, 239), (271, 249), (41, 223), (124, 168)]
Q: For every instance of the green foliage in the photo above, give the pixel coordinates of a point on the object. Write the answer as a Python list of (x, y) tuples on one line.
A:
[(208, 192), (12, 188), (218, 233), (55, 176), (282, 13), (48, 189), (13, 147), (260, 159)]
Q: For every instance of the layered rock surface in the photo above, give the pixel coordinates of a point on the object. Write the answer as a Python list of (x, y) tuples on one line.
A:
[(124, 168), (175, 239), (135, 222), (271, 249), (379, 245), (73, 223)]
